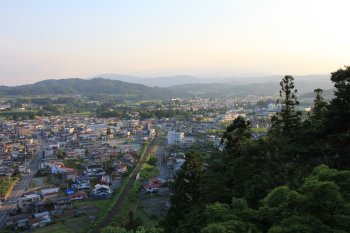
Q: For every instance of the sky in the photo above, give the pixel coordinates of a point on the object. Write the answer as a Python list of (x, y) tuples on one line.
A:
[(44, 39)]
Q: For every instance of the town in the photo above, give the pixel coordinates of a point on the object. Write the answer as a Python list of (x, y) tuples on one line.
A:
[(73, 168)]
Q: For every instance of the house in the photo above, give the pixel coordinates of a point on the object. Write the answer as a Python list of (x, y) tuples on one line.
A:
[(81, 183), (40, 220), (188, 141), (20, 220), (101, 191), (39, 206), (57, 167), (106, 179), (176, 160), (153, 185), (25, 203), (49, 193), (61, 202), (121, 169), (94, 170), (69, 175), (78, 196)]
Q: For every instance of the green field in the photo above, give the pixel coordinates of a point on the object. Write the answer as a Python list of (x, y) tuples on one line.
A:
[(54, 228), (6, 185), (74, 163), (38, 182), (259, 130), (149, 171)]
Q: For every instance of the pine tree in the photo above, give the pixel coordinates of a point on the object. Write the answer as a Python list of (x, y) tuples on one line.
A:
[(319, 106), (288, 120)]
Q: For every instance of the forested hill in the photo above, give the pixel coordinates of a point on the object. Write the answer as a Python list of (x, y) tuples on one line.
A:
[(296, 179), (77, 86)]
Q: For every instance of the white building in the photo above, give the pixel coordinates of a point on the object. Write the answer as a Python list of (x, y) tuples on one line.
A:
[(175, 137)]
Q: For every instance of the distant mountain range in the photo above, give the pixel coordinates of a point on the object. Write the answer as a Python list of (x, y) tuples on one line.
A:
[(76, 86), (164, 81), (304, 83), (165, 87)]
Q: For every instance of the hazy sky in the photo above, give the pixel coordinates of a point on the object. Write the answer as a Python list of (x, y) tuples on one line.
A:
[(71, 38)]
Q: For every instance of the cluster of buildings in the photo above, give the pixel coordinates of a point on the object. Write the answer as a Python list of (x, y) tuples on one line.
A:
[(83, 157)]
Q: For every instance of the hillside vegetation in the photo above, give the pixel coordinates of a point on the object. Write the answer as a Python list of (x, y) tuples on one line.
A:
[(296, 179)]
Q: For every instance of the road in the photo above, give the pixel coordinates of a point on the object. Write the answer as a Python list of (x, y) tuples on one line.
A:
[(152, 148), (165, 172), (20, 187)]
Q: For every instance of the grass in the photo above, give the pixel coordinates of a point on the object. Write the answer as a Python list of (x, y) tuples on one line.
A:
[(38, 182), (146, 221), (149, 171), (100, 205), (130, 204), (77, 224), (6, 185), (74, 163), (259, 130), (55, 228)]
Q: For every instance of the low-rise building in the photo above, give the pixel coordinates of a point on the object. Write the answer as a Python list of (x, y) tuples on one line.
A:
[(49, 193), (101, 191), (25, 203), (81, 183)]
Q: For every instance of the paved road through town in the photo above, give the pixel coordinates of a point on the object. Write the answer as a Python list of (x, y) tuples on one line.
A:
[(164, 171), (20, 187)]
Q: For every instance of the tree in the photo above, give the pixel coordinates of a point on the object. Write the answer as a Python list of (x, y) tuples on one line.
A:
[(214, 228), (133, 223), (16, 172), (237, 133), (320, 204), (152, 160), (61, 154), (338, 119), (186, 190), (319, 106), (339, 109), (288, 120), (304, 224)]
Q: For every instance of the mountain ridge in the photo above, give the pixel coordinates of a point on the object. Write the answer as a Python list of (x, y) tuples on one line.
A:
[(210, 88), (80, 86)]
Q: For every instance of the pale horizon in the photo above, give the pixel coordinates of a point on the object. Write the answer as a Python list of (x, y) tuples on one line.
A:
[(63, 39)]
